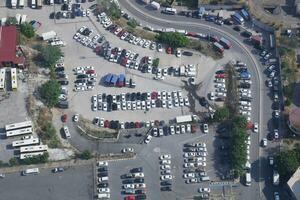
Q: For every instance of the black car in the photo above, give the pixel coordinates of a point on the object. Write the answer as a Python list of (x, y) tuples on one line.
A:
[(124, 176), (59, 69), (138, 96), (187, 53), (64, 7), (102, 174), (188, 170), (203, 101), (58, 15), (245, 85), (228, 22), (103, 185), (246, 34), (168, 188), (102, 169), (139, 180), (237, 28), (82, 76), (140, 192), (166, 183), (128, 181), (140, 196), (133, 96), (63, 81)]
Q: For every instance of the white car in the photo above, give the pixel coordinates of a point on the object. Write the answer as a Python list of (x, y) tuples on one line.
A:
[(204, 190), (165, 156), (205, 128), (186, 101), (192, 180), (103, 190), (189, 154), (264, 142), (187, 165), (255, 127), (138, 175), (127, 150), (128, 186), (182, 128), (212, 96), (76, 117), (148, 139), (139, 185), (172, 130), (101, 123), (102, 163), (27, 137), (189, 175), (166, 177), (165, 162), (163, 167)]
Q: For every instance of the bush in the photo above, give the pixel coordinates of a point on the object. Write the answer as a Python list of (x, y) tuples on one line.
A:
[(50, 92), (36, 159), (86, 155), (13, 161), (132, 23), (27, 30), (221, 114), (114, 11), (287, 102), (11, 21), (173, 39)]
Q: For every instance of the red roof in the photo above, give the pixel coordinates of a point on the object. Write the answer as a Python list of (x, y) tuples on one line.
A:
[(8, 42), (294, 117)]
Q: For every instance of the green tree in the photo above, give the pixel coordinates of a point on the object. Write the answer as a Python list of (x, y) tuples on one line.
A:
[(240, 121), (221, 114), (50, 55), (11, 21), (86, 154), (155, 62), (50, 92), (27, 30), (36, 159), (173, 39), (132, 23), (114, 11), (287, 162), (13, 161)]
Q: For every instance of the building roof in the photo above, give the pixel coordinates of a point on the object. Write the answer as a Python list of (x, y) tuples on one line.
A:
[(294, 183), (8, 42), (294, 118)]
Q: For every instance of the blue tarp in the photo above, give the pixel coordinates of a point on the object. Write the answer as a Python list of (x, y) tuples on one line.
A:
[(108, 78), (121, 78), (114, 80)]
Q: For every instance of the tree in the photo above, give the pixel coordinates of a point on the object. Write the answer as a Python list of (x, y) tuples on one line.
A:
[(36, 159), (50, 92), (155, 62), (173, 39), (287, 162), (50, 55), (27, 30), (240, 121), (86, 154), (11, 21), (13, 161), (221, 114), (114, 11)]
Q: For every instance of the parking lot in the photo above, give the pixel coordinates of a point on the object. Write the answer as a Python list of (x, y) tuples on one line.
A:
[(73, 183)]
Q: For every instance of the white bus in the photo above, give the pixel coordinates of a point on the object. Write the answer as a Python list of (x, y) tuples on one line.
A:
[(15, 126), (31, 141), (13, 73), (2, 79), (31, 171), (30, 155), (169, 11), (18, 132), (31, 149), (184, 119), (67, 132)]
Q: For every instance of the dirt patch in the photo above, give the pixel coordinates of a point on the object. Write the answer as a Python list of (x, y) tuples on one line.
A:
[(205, 48)]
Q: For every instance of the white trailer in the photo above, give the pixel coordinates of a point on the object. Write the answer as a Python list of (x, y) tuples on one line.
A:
[(155, 5), (18, 18), (13, 3), (49, 35), (34, 148), (23, 19), (30, 155), (20, 143), (184, 119), (19, 132)]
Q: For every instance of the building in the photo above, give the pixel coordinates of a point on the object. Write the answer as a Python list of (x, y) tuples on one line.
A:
[(297, 7), (294, 120), (10, 54), (294, 184)]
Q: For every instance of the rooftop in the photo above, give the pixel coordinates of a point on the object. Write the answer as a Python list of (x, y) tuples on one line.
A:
[(294, 118), (294, 183)]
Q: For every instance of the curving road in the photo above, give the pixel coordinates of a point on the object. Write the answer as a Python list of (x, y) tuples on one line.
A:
[(149, 17)]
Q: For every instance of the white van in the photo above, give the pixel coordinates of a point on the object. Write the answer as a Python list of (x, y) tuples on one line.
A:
[(205, 178), (103, 196)]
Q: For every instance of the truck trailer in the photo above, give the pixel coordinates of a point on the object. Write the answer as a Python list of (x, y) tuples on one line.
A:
[(184, 119), (49, 35), (225, 43), (155, 5)]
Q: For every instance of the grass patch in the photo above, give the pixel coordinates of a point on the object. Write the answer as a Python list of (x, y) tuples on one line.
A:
[(232, 91), (205, 48), (191, 4), (91, 129)]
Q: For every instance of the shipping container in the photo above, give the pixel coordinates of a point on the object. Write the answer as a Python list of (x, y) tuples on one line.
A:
[(108, 78)]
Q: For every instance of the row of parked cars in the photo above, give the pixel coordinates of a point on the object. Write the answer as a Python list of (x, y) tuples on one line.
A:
[(139, 101), (86, 37), (126, 36), (133, 184), (103, 191), (220, 86), (195, 162), (85, 78), (165, 172), (62, 78)]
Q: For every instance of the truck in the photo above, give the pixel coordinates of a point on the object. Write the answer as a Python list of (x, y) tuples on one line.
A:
[(49, 35), (219, 47), (21, 4), (275, 178), (39, 4), (184, 119), (155, 5), (225, 43), (13, 4)]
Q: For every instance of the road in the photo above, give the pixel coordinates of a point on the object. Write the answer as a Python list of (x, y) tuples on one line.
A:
[(262, 102)]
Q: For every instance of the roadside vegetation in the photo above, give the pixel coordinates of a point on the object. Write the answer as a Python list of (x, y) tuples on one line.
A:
[(27, 30), (287, 162), (46, 129), (172, 39), (50, 92), (86, 155), (204, 47)]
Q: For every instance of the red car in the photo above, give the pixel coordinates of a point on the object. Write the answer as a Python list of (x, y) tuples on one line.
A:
[(129, 197), (154, 95), (169, 50), (64, 118), (192, 34), (90, 71), (138, 125), (106, 124), (220, 76)]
